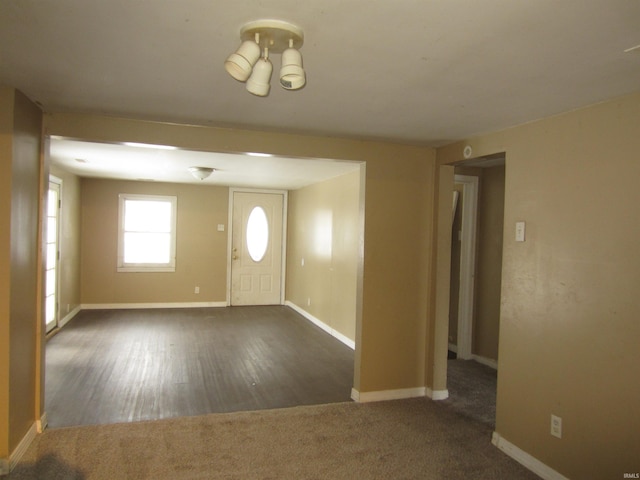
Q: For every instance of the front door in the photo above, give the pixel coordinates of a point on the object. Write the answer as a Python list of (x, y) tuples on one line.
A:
[(256, 248), (53, 224)]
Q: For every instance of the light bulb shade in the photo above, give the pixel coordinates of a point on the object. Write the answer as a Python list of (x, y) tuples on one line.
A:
[(292, 74), (258, 83), (240, 63), (201, 172)]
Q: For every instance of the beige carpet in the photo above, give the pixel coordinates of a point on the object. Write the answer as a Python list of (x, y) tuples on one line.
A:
[(404, 439)]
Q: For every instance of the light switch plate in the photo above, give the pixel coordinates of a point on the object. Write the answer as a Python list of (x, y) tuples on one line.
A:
[(221, 227)]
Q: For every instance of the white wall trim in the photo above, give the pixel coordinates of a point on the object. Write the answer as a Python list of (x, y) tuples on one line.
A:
[(437, 394), (364, 397), (319, 323), (14, 458), (522, 457), (41, 424), (122, 306), (489, 362), (69, 316)]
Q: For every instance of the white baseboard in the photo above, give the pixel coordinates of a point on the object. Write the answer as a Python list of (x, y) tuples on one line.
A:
[(69, 316), (319, 323), (522, 457), (16, 455), (489, 362), (123, 306), (41, 424), (437, 394), (364, 397)]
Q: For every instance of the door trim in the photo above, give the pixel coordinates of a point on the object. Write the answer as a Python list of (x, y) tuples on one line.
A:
[(283, 266), (467, 264)]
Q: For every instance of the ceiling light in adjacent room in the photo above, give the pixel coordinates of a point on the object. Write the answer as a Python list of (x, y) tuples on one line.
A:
[(201, 172)]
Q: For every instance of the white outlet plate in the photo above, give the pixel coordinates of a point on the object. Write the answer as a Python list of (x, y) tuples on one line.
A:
[(196, 290), (520, 226), (556, 426)]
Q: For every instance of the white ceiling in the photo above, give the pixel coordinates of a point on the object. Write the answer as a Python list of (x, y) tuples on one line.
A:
[(161, 164), (423, 72)]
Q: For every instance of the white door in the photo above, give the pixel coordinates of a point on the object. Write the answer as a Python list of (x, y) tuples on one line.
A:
[(256, 248), (53, 222)]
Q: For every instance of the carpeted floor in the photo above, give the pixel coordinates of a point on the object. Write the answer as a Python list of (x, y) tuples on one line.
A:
[(472, 390), (403, 439)]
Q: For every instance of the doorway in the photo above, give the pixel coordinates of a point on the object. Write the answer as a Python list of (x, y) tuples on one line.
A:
[(464, 252), (257, 244), (475, 289)]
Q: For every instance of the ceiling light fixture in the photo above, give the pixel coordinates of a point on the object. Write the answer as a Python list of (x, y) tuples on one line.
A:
[(251, 64), (201, 172)]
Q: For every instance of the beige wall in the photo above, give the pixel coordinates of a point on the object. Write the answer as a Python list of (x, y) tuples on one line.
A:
[(201, 250), (569, 330), (20, 268), (393, 295), (324, 231), (69, 237), (486, 318)]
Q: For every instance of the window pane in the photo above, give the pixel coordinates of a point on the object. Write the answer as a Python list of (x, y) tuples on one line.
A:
[(51, 229), (257, 234), (147, 247), (147, 216), (52, 203), (51, 282), (51, 256), (51, 309)]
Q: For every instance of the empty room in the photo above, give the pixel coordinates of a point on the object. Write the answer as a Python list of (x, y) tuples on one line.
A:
[(228, 247)]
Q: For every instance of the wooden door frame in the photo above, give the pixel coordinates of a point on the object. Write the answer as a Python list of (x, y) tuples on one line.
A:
[(283, 266)]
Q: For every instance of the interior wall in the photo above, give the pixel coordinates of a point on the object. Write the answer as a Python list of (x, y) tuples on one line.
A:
[(20, 274), (393, 291), (6, 163), (69, 243), (201, 250), (486, 318), (322, 245), (569, 316)]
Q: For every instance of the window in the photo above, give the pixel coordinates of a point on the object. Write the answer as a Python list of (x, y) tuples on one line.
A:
[(147, 233), (257, 234)]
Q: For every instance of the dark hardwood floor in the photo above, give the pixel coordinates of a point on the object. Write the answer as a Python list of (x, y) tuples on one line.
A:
[(109, 366)]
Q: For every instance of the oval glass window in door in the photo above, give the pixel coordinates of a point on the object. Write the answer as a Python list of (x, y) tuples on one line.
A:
[(257, 234)]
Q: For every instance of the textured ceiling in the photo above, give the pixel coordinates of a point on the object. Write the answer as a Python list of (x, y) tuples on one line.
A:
[(410, 71)]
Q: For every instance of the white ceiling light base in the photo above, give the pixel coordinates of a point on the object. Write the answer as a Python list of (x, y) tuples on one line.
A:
[(273, 34), (248, 64)]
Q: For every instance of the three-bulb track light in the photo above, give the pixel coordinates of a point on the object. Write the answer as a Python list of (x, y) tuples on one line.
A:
[(251, 64)]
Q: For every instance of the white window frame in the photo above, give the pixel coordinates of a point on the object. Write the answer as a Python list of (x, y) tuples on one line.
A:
[(146, 267)]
